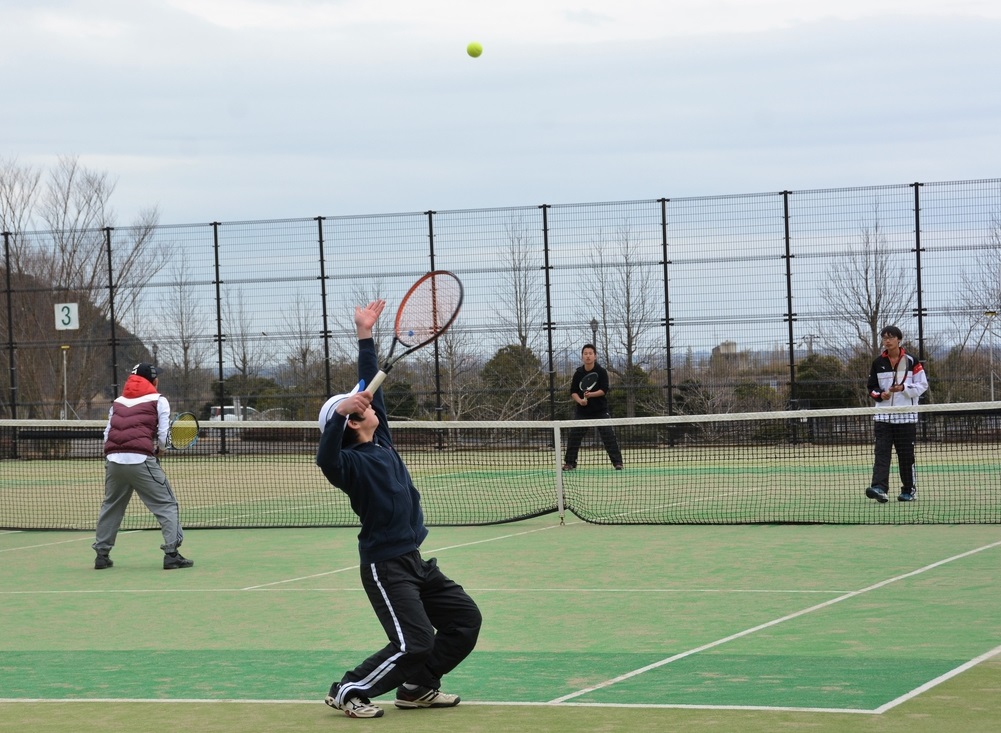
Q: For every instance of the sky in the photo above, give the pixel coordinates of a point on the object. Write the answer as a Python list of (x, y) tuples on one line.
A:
[(231, 110)]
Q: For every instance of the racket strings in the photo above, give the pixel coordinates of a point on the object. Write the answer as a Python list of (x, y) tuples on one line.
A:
[(183, 432), (428, 310)]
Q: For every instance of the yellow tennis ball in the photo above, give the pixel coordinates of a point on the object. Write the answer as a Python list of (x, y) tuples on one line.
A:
[(474, 49)]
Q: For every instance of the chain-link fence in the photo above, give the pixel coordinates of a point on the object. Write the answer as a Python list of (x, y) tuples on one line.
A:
[(697, 305)]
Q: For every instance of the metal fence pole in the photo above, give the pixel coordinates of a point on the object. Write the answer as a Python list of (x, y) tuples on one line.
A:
[(111, 313), (220, 337), (323, 306), (10, 327), (790, 316), (547, 268), (920, 310), (668, 367)]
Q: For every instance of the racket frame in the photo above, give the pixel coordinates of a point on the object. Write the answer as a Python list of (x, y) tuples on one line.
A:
[(170, 431), (437, 330), (583, 389)]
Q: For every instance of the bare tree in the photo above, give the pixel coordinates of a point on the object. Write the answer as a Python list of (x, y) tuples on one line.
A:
[(247, 349), (866, 290), (70, 263), (623, 296), (973, 321), (522, 310), (458, 375), (18, 192), (980, 293), (301, 371), (181, 338)]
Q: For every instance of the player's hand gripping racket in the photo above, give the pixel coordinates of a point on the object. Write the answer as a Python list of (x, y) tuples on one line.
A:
[(426, 311), (899, 375), (183, 431), (587, 383)]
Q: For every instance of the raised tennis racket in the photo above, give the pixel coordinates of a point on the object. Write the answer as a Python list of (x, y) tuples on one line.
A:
[(587, 383), (425, 313), (183, 431)]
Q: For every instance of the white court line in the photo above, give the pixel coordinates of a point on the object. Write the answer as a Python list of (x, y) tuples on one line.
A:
[(768, 624), (426, 552), (544, 591), (938, 680), (88, 538), (565, 701), (465, 703)]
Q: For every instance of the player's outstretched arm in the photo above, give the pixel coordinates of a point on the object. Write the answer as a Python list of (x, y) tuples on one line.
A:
[(366, 316)]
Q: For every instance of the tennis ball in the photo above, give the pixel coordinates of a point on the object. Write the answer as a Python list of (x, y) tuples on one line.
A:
[(474, 49)]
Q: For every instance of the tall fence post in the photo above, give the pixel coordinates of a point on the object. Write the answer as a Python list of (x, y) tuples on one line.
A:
[(10, 327), (323, 305), (111, 313), (220, 337), (547, 268), (920, 310), (438, 407), (790, 315), (664, 261)]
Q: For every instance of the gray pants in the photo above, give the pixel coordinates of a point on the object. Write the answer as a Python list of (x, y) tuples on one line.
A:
[(150, 482)]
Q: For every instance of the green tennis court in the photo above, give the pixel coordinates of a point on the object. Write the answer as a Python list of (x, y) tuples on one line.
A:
[(647, 627)]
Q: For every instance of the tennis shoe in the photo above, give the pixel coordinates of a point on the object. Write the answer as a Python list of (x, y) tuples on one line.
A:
[(424, 697), (618, 466), (176, 561), (877, 493), (907, 495), (355, 707), (102, 562), (569, 466)]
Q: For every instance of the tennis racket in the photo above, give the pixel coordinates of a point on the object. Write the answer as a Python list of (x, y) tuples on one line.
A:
[(587, 383), (900, 373), (426, 311), (183, 431)]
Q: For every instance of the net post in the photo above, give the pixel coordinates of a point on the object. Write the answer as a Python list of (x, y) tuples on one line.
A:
[(560, 506)]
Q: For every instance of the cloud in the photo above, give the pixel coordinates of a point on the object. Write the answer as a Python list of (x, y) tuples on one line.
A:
[(236, 110)]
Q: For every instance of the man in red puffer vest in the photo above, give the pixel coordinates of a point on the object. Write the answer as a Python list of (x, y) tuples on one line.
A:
[(136, 432)]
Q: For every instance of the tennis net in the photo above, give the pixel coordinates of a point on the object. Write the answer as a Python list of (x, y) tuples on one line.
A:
[(809, 466)]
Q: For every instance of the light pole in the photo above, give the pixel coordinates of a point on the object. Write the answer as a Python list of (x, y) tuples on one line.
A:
[(66, 398), (990, 325), (594, 332)]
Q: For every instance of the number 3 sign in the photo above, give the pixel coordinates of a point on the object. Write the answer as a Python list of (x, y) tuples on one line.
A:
[(67, 317)]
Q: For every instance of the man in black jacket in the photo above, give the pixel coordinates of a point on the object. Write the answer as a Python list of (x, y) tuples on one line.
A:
[(590, 404), (431, 622)]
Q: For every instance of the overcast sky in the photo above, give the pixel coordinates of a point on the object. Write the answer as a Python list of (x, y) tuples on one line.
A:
[(227, 110)]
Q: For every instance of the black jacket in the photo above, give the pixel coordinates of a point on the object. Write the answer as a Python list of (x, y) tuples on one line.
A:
[(375, 479), (596, 406)]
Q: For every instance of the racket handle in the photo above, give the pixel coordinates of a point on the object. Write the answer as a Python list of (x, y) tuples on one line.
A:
[(377, 380)]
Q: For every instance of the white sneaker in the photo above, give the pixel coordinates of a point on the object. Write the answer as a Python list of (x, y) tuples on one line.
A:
[(354, 706), (424, 697)]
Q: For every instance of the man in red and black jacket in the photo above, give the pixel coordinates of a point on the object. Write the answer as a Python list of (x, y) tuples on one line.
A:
[(136, 431), (896, 379)]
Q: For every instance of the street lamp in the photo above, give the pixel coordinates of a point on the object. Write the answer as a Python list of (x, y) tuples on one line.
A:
[(594, 332), (66, 397), (990, 325)]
